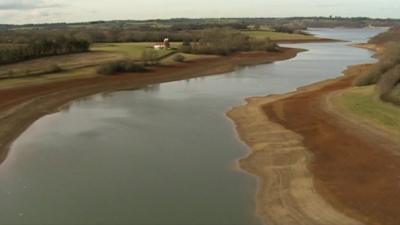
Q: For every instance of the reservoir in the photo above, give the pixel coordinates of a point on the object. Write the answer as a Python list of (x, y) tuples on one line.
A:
[(164, 154)]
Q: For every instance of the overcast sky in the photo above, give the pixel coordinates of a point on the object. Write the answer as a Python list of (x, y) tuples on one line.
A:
[(39, 11)]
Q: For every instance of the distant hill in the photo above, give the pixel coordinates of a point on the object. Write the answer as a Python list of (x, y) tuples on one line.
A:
[(200, 23)]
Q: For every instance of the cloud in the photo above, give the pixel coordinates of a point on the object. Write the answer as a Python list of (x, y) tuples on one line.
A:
[(28, 5)]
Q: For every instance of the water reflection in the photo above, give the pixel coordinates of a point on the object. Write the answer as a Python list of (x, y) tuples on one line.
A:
[(152, 88)]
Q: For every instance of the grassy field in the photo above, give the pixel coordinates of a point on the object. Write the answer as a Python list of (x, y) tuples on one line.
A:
[(100, 54), (278, 36), (8, 46), (81, 64), (65, 62), (363, 103), (131, 50)]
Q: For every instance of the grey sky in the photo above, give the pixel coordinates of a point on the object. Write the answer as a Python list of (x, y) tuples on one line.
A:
[(39, 11)]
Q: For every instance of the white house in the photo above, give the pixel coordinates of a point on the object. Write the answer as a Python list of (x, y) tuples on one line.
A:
[(163, 45)]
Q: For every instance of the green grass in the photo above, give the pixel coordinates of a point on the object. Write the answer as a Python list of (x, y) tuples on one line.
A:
[(65, 62), (131, 50), (364, 103), (80, 65), (100, 54), (64, 75), (278, 35), (8, 46)]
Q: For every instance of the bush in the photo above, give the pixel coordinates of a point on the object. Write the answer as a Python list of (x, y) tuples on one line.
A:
[(372, 77), (394, 95), (186, 46), (388, 84), (151, 57), (263, 45), (179, 58), (388, 61), (121, 67), (10, 73), (53, 69)]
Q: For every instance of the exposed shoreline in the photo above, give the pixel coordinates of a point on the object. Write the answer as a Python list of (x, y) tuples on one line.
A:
[(301, 41), (21, 106), (312, 163), (286, 193)]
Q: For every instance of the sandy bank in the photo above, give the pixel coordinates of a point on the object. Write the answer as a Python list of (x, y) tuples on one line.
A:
[(314, 166), (21, 106), (286, 193), (299, 41)]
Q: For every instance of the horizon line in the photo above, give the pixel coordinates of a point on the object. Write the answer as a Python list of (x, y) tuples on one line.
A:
[(198, 18)]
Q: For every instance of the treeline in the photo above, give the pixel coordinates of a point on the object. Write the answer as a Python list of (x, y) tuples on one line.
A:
[(41, 48), (386, 74), (175, 29), (225, 42), (95, 35), (291, 28), (236, 23)]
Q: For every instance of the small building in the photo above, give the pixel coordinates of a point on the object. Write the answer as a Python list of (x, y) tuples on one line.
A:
[(162, 45)]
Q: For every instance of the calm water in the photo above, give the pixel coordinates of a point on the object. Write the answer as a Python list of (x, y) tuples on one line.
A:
[(165, 154)]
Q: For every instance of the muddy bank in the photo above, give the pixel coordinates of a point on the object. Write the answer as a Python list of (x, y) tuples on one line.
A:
[(299, 41), (21, 106), (313, 166)]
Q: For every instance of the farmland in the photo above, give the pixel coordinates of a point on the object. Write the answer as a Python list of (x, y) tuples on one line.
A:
[(131, 50), (81, 65)]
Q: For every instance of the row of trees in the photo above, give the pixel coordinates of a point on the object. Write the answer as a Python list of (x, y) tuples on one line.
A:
[(42, 47), (92, 34), (95, 35), (225, 42)]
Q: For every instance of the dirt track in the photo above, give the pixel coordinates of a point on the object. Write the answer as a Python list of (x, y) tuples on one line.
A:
[(314, 167), (20, 107)]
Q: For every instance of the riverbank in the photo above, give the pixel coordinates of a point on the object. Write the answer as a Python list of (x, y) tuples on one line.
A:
[(314, 166), (302, 41), (20, 106)]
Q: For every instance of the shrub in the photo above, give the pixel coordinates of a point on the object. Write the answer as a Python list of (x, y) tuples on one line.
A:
[(151, 57), (394, 95), (263, 45), (372, 77), (387, 61), (388, 84), (54, 68), (121, 67), (186, 47), (10, 73), (179, 58)]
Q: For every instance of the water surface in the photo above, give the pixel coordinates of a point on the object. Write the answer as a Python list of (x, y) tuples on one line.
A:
[(165, 154)]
